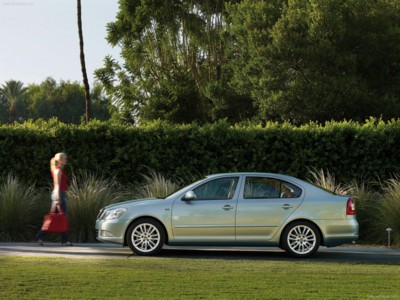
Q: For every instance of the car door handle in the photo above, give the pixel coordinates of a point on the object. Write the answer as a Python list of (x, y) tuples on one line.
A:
[(228, 207), (287, 206)]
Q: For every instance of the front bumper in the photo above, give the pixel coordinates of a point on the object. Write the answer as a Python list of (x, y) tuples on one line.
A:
[(111, 231)]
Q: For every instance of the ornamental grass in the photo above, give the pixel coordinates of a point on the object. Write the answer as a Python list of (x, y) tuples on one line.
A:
[(17, 203), (88, 194)]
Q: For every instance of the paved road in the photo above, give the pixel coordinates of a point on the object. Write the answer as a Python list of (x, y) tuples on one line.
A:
[(99, 250)]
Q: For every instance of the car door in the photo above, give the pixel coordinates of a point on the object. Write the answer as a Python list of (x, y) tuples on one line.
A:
[(210, 216), (263, 206)]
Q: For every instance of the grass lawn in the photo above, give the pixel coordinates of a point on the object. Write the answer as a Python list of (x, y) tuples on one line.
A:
[(169, 278)]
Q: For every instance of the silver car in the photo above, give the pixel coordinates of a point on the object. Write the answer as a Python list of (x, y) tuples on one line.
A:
[(234, 209)]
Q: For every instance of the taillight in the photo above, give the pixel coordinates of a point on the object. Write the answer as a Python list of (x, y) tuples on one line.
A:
[(351, 207)]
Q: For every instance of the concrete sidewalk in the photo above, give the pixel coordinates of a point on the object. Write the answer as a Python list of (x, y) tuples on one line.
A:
[(349, 253), (95, 250)]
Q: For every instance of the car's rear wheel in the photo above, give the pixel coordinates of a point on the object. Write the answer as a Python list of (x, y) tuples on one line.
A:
[(146, 237), (301, 239)]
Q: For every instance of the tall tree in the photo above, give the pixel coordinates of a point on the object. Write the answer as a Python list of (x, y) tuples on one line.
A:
[(3, 109), (319, 60), (14, 92), (174, 61), (65, 100), (83, 65), (283, 60)]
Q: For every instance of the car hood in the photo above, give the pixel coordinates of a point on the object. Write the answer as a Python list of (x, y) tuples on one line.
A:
[(133, 202)]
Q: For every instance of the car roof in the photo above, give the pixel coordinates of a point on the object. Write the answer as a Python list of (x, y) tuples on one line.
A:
[(276, 175), (288, 178)]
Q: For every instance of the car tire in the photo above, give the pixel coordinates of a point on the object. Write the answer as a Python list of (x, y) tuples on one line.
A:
[(146, 237), (301, 239)]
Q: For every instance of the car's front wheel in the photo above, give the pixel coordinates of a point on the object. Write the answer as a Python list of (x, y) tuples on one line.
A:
[(146, 237), (301, 239)]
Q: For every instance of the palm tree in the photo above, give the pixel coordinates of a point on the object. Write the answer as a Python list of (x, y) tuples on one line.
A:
[(83, 65), (13, 91)]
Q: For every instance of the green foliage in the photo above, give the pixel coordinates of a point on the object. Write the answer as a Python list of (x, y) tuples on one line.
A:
[(14, 94), (3, 109), (389, 211), (296, 60), (377, 205), (88, 194), (368, 198), (304, 60), (16, 210), (327, 181), (174, 58), (156, 185), (347, 149), (64, 100), (206, 60), (352, 151)]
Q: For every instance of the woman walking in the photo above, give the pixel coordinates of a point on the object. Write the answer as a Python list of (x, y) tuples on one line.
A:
[(59, 193)]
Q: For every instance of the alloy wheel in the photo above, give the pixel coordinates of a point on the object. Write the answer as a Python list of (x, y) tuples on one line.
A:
[(302, 240), (145, 237)]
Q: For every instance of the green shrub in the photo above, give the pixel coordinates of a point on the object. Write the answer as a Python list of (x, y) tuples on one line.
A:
[(368, 200), (89, 193), (16, 210), (350, 150), (347, 149), (327, 181), (156, 185), (389, 211)]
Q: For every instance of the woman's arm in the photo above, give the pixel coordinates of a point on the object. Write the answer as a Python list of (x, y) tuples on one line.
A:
[(56, 180)]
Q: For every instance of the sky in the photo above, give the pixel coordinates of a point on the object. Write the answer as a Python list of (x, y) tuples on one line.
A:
[(39, 39)]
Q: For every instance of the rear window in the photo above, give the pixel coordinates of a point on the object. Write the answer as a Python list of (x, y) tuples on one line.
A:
[(263, 187)]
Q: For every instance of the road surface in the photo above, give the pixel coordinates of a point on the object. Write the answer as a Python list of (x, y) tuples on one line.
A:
[(356, 254)]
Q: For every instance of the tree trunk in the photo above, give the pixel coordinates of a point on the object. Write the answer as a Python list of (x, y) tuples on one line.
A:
[(83, 65)]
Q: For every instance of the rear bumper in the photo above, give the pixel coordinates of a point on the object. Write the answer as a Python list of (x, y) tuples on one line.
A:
[(339, 232), (332, 241)]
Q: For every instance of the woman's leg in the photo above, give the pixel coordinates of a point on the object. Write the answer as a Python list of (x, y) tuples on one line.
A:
[(40, 235), (64, 235), (63, 198)]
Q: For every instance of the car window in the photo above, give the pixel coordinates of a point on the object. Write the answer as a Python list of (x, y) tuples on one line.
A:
[(218, 189), (262, 187), (289, 190)]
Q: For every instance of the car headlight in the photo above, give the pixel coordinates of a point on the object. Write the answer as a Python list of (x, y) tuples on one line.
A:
[(114, 213)]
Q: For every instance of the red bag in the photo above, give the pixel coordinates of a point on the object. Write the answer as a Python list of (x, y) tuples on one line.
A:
[(55, 222)]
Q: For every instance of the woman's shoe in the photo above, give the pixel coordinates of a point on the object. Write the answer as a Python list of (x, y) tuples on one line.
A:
[(67, 244), (40, 242)]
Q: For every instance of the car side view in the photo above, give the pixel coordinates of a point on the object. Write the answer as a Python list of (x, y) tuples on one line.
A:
[(234, 209)]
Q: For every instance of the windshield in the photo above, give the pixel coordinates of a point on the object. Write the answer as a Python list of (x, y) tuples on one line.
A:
[(186, 188)]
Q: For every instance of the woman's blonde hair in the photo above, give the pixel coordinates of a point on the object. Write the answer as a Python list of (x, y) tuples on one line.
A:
[(54, 161)]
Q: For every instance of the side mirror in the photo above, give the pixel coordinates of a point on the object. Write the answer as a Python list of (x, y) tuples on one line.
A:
[(189, 196)]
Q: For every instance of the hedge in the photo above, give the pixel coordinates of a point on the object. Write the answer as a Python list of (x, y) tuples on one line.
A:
[(347, 149)]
